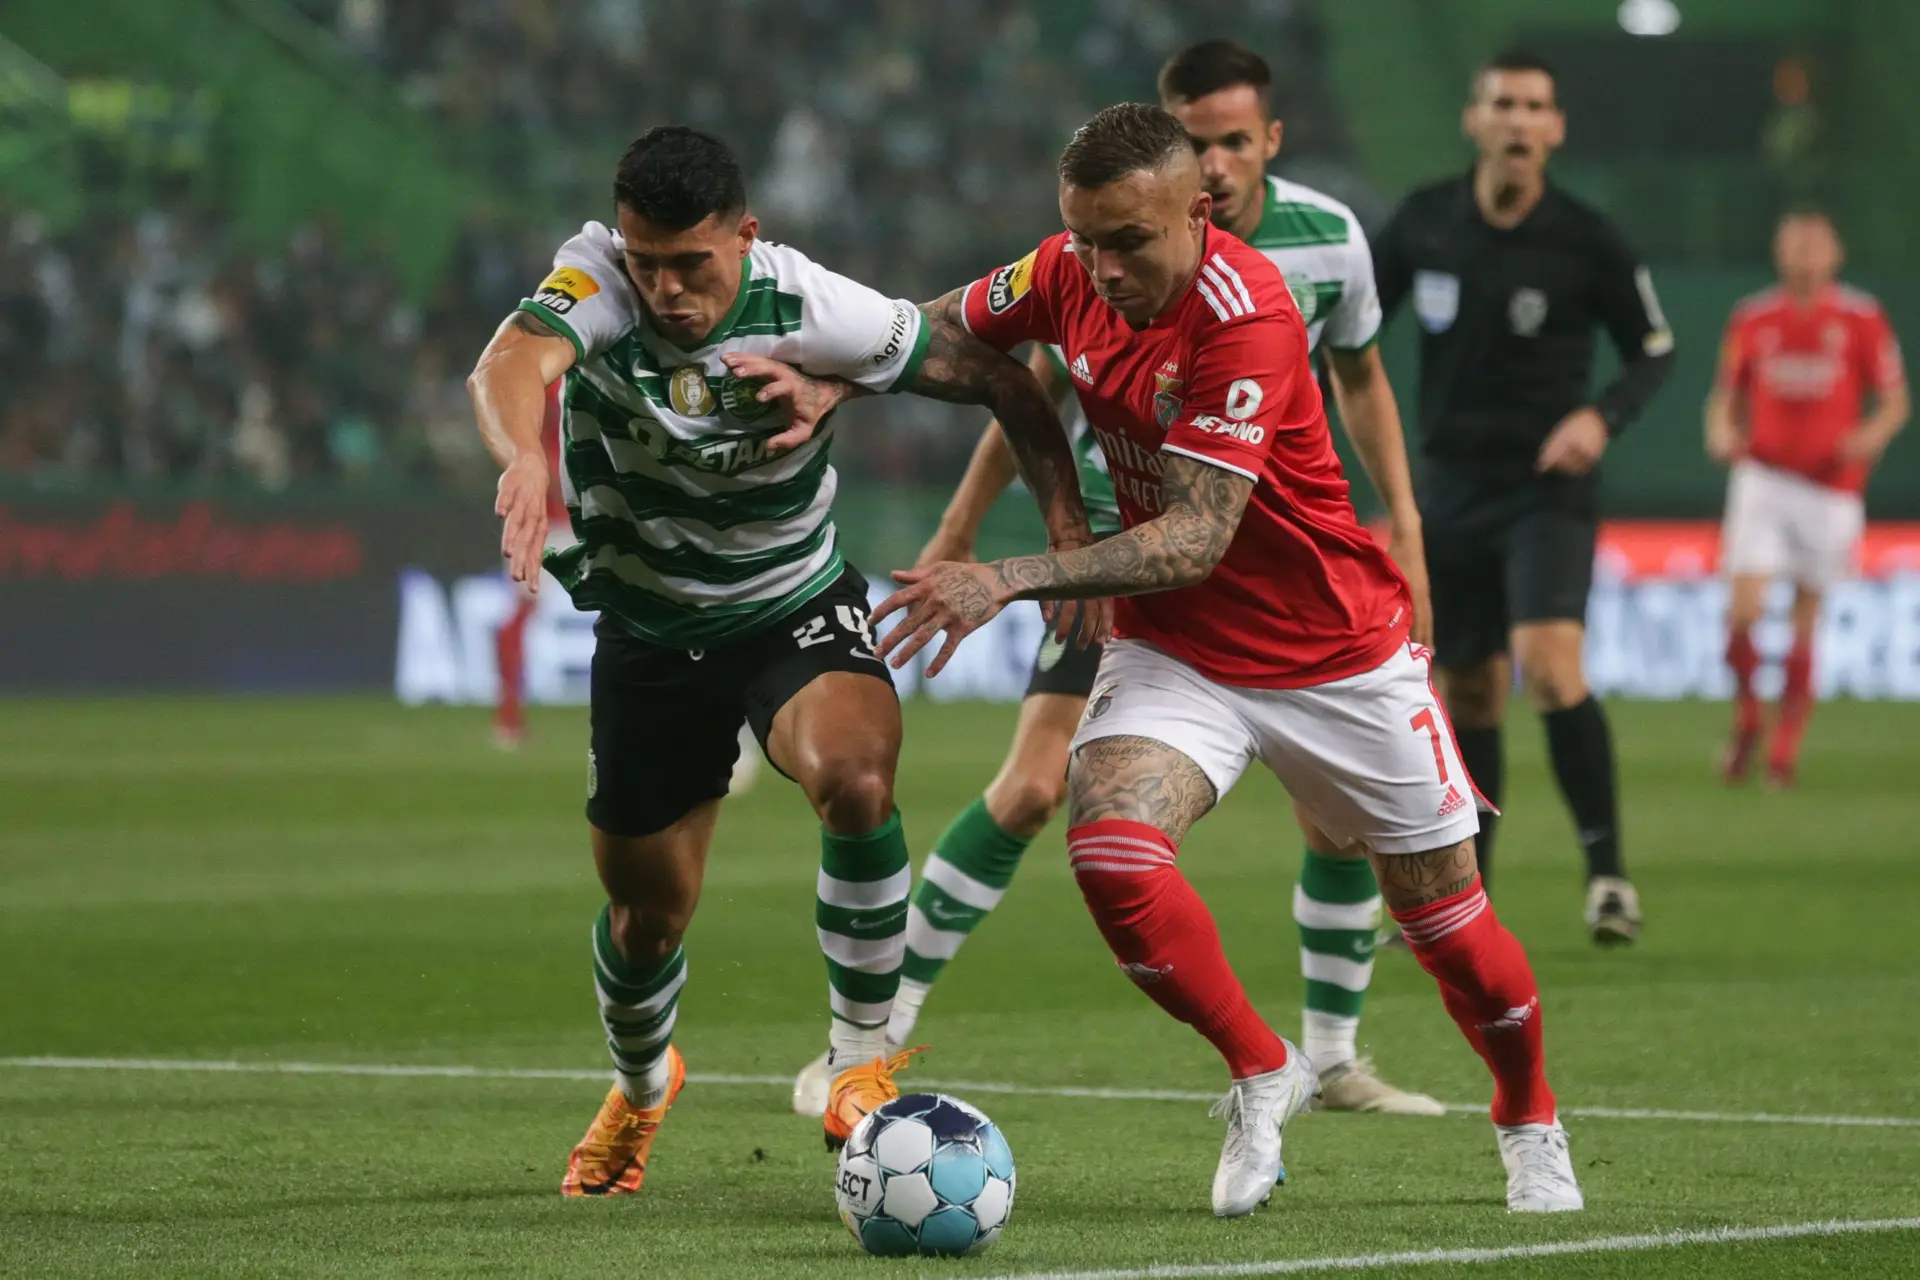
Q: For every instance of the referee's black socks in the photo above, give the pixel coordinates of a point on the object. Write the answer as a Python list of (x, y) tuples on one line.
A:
[(1480, 751), (1581, 747)]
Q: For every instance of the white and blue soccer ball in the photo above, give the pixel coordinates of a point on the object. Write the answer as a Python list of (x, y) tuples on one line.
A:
[(925, 1174)]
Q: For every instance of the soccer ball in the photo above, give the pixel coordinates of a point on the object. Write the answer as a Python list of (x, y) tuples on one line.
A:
[(925, 1174)]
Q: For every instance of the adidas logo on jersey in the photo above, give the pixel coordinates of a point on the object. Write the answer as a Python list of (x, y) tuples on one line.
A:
[(1082, 370), (1453, 803)]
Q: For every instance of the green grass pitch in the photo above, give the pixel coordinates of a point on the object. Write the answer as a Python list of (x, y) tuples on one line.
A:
[(350, 883)]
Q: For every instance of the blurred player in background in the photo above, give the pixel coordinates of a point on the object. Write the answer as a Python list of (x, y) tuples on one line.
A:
[(1509, 278), (1788, 414), (1221, 91), (710, 552), (1257, 620)]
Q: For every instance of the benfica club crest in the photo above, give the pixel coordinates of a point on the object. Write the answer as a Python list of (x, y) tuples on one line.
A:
[(1167, 401)]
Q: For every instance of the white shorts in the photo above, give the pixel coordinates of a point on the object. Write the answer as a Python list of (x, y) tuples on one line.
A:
[(1371, 758), (1780, 525)]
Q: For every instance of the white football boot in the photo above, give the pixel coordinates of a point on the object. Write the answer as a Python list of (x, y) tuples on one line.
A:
[(1355, 1086), (1539, 1169), (1256, 1109), (810, 1088)]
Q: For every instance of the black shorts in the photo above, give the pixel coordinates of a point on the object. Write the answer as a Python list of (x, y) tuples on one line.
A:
[(1488, 576), (666, 722), (1066, 669)]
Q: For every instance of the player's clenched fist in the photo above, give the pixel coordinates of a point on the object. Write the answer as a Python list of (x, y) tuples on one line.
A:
[(522, 504)]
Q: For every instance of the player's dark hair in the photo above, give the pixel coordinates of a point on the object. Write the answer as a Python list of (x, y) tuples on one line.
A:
[(1513, 60), (675, 177), (1121, 139), (1213, 65)]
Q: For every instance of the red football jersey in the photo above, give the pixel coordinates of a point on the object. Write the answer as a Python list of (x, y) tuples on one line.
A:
[(1802, 374), (1304, 594)]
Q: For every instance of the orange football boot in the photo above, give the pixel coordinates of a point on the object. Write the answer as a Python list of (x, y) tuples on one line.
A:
[(861, 1089), (612, 1159)]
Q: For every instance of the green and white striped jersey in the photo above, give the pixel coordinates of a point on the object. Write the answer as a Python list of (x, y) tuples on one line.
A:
[(1320, 248), (690, 532)]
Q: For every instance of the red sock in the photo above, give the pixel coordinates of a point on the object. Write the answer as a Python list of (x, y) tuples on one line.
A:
[(1745, 661), (1488, 987), (1796, 704), (509, 650), (1163, 937)]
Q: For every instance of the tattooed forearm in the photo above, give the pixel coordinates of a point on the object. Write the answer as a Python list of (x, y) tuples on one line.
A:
[(1417, 879), (1201, 506), (1140, 780), (961, 369)]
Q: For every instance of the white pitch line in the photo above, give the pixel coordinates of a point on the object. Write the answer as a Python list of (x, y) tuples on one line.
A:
[(1425, 1257), (455, 1072)]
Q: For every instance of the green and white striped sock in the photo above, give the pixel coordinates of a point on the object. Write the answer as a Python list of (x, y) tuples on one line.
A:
[(638, 1007), (861, 919), (1336, 905), (965, 876)]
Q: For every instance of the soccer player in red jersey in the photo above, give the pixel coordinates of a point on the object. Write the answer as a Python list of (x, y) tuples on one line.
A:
[(1788, 414), (1257, 620)]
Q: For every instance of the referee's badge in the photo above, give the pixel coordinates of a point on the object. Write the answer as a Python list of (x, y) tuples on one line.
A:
[(1527, 311), (1436, 299)]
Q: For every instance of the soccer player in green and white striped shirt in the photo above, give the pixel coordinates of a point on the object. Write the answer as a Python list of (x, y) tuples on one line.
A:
[(1219, 90), (709, 550)]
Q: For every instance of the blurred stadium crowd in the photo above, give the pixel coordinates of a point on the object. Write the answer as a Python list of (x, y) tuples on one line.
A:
[(906, 144)]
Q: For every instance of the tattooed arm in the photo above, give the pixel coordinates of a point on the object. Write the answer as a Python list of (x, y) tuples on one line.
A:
[(1201, 505), (959, 369)]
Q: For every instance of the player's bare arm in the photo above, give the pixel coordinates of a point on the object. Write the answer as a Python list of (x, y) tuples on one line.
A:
[(1371, 417), (1201, 505), (1139, 780), (989, 471), (959, 369), (1866, 442), (508, 387), (1725, 440)]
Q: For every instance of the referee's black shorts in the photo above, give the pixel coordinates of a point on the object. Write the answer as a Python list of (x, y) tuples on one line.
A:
[(1521, 553)]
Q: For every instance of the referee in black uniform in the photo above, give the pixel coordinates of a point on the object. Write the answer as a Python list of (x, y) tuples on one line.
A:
[(1509, 278)]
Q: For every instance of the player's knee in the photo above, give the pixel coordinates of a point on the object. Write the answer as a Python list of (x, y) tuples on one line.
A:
[(1476, 696), (1553, 686), (852, 795), (1023, 806), (646, 934)]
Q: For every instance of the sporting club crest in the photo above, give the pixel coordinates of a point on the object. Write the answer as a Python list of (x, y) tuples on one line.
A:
[(1527, 311)]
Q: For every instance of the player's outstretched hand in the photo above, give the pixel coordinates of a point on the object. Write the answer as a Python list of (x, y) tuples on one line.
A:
[(1575, 445), (806, 401), (521, 502), (958, 599)]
